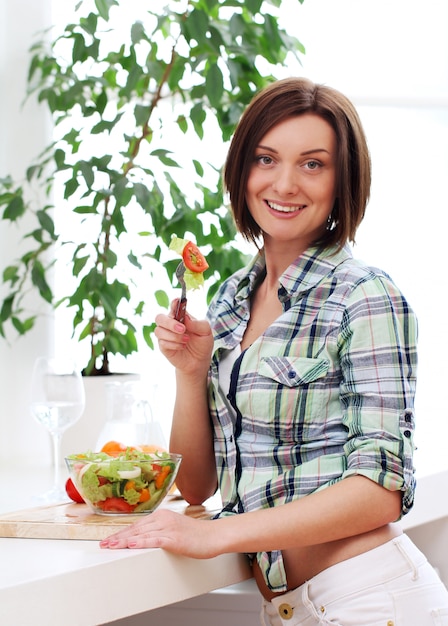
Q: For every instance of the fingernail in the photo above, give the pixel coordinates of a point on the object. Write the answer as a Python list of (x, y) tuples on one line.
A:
[(180, 328)]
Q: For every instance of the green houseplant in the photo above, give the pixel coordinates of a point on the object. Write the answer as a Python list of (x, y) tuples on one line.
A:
[(126, 97)]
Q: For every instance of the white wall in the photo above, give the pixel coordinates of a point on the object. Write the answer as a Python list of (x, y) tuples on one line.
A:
[(23, 133)]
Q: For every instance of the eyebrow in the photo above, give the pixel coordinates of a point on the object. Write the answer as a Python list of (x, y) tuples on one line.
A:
[(312, 151)]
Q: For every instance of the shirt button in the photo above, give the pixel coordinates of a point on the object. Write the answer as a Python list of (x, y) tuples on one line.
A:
[(285, 611), (407, 433), (408, 417), (292, 374)]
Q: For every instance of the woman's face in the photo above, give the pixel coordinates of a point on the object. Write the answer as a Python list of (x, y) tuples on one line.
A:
[(292, 183)]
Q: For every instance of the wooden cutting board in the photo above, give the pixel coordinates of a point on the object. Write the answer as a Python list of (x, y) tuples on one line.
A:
[(76, 521)]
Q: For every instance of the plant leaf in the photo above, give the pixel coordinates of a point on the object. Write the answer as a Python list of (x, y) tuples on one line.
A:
[(40, 281), (214, 85), (104, 6), (15, 209), (162, 298)]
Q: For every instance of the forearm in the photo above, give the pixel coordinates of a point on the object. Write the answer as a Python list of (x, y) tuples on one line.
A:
[(351, 507), (191, 436)]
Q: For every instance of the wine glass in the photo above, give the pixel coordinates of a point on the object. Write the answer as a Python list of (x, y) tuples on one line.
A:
[(57, 402)]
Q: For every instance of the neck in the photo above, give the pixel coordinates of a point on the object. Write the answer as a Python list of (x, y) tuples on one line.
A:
[(278, 259)]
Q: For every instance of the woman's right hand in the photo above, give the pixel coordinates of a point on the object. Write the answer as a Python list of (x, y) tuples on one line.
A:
[(188, 346)]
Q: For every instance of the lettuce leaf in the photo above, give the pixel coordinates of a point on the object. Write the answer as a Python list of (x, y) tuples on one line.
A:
[(193, 280), (177, 244), (91, 486)]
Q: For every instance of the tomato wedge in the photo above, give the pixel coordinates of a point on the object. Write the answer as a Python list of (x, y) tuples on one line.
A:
[(72, 492), (115, 505), (193, 258)]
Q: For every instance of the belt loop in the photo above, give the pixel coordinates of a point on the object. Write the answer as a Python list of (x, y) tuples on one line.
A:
[(263, 613), (308, 603), (305, 597), (317, 613), (407, 558)]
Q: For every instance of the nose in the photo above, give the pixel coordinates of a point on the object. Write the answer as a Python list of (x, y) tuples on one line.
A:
[(286, 181)]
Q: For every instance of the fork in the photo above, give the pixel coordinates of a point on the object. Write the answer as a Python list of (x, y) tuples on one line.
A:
[(182, 304)]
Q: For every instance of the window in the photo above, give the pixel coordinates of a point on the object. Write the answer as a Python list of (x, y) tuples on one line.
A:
[(391, 59)]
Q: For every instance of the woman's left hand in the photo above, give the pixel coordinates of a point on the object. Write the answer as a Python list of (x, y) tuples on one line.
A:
[(171, 531)]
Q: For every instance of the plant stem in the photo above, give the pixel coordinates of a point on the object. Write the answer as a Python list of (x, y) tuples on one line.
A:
[(154, 102)]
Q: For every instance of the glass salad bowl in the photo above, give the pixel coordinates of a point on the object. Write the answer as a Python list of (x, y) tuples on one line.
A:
[(132, 482)]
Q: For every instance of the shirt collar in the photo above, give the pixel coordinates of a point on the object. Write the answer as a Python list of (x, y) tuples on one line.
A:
[(303, 274), (310, 268), (252, 273)]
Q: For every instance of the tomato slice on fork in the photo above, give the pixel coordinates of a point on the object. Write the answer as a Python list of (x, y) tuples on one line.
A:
[(193, 258)]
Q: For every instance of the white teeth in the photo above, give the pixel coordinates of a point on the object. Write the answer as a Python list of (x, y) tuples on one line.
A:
[(285, 209)]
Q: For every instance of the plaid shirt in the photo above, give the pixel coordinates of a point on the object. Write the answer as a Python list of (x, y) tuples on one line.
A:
[(325, 393)]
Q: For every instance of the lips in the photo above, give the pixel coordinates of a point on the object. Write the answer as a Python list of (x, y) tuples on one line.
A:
[(285, 209)]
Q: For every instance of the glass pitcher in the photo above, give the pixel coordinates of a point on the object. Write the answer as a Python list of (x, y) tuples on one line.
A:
[(129, 417)]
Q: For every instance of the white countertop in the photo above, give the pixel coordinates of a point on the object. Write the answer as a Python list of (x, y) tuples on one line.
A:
[(47, 581), (73, 582)]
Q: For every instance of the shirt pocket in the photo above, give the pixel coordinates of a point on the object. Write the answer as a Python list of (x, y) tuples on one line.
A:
[(293, 371), (289, 401)]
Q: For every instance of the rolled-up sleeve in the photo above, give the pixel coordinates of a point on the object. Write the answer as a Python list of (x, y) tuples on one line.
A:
[(378, 352)]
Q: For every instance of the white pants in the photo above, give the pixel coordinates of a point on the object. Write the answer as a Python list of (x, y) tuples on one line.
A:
[(392, 585)]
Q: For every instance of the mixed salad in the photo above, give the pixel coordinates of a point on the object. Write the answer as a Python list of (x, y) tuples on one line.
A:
[(132, 482)]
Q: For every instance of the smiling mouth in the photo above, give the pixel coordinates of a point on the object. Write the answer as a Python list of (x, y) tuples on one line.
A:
[(285, 209)]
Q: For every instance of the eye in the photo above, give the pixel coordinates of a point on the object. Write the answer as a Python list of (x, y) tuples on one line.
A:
[(264, 159), (313, 165)]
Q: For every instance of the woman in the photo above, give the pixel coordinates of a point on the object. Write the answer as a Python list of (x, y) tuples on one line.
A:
[(297, 392)]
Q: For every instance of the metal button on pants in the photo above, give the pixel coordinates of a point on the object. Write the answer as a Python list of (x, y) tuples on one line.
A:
[(285, 610)]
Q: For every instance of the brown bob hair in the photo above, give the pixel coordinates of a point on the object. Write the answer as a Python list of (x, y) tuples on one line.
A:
[(288, 98)]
